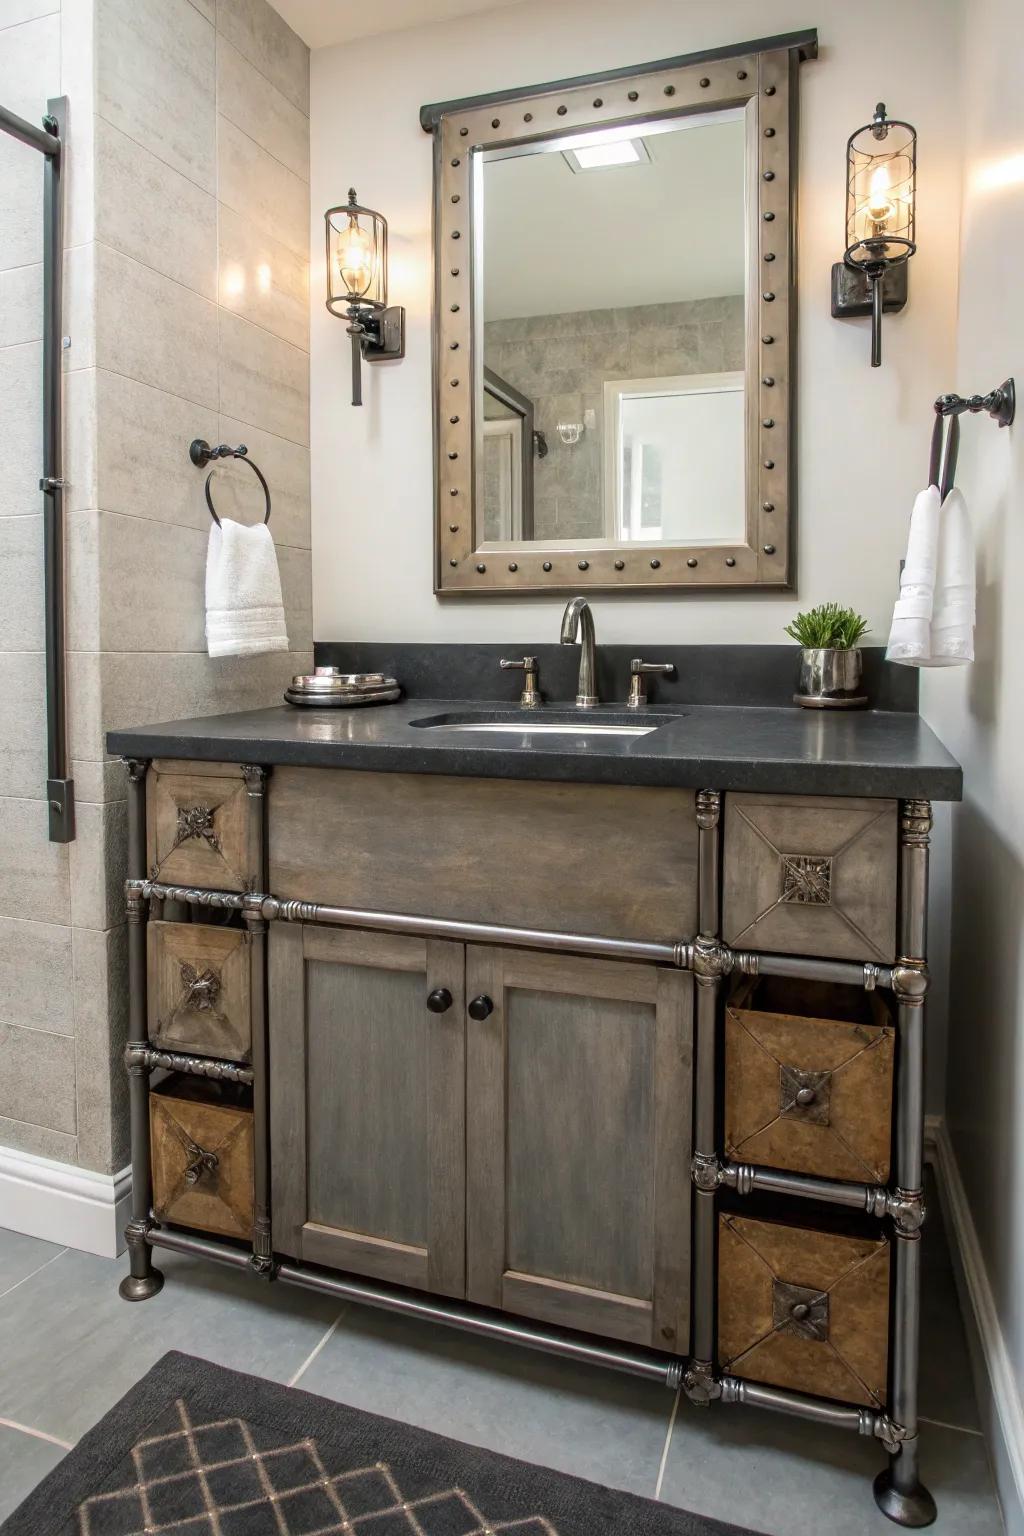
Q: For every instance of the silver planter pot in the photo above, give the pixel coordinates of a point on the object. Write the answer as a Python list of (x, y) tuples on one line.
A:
[(830, 679)]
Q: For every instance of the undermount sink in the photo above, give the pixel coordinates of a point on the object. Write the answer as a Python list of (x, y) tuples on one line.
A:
[(524, 723)]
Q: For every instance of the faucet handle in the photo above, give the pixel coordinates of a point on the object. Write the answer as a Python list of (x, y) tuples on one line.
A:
[(530, 696), (639, 671)]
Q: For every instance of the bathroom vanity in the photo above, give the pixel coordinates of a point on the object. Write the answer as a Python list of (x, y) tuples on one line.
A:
[(601, 1029)]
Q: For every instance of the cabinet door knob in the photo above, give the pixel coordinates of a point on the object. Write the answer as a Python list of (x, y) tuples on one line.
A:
[(440, 1000), (481, 1007)]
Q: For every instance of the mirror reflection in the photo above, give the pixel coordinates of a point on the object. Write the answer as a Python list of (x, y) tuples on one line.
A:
[(612, 269)]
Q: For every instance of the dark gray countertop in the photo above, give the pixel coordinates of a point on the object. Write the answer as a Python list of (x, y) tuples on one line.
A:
[(786, 750)]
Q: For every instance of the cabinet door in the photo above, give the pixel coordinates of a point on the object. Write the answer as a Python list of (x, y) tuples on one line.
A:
[(368, 1104), (578, 1134)]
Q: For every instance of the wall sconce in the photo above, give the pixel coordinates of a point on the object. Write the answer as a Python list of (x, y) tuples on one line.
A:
[(881, 172), (357, 286)]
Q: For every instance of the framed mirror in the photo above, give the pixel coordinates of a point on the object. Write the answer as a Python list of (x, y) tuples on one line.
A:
[(614, 283)]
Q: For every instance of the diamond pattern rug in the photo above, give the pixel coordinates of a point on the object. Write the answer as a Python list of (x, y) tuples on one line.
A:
[(196, 1450)]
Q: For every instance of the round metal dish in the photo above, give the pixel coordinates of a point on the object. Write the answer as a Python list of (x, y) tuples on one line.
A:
[(332, 680), (338, 698)]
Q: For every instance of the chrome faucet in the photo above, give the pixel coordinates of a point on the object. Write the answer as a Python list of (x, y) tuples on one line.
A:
[(578, 620)]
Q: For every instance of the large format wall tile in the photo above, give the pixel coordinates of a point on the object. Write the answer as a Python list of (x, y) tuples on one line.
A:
[(101, 1032), (266, 40), (37, 1140), (37, 1077), (21, 305), (172, 346), (35, 975), (263, 380), (261, 189), (143, 467), (22, 725), (77, 83), (13, 12), (80, 426), (263, 280), (155, 75), (149, 211), (286, 466), (260, 110), (126, 689), (21, 582), (33, 871), (99, 782), (21, 441), (99, 864), (29, 74)]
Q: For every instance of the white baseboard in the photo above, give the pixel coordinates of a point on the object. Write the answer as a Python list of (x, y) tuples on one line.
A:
[(999, 1397), (63, 1204)]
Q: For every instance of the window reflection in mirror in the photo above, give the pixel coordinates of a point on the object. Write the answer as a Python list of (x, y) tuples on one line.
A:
[(611, 276)]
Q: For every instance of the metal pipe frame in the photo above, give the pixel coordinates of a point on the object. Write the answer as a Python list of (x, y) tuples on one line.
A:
[(49, 141), (666, 1369), (898, 1489), (899, 1492), (708, 974), (143, 1280)]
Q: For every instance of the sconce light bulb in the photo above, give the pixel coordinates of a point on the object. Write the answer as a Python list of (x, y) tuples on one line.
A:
[(879, 207), (355, 258)]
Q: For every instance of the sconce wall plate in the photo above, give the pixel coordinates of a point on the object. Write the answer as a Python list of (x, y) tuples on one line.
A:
[(851, 291), (383, 338)]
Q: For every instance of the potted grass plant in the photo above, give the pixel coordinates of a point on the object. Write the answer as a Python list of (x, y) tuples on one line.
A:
[(831, 665)]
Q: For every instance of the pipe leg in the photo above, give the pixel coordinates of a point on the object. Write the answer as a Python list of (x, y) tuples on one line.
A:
[(142, 1280), (899, 1492)]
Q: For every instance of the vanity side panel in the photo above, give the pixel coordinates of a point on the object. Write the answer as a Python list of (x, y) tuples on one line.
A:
[(614, 860)]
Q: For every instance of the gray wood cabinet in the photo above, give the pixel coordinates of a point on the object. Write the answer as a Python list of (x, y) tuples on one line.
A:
[(367, 1090), (534, 1159), (578, 1138)]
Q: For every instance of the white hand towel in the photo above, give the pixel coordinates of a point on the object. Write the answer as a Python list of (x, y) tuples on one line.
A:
[(910, 635), (244, 608), (953, 610)]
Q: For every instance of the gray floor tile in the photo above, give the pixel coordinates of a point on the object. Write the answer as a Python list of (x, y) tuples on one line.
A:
[(786, 1478), (20, 1256), (577, 1419), (24, 1462), (71, 1347)]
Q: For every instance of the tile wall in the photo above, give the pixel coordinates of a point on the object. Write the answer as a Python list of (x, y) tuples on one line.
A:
[(562, 362), (186, 306)]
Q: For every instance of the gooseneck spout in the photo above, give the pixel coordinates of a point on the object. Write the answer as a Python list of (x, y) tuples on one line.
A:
[(578, 620)]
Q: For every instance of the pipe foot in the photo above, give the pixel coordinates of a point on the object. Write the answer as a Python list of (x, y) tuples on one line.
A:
[(141, 1287), (914, 1509)]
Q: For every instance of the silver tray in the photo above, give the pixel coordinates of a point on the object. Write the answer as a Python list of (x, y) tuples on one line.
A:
[(323, 698), (332, 680)]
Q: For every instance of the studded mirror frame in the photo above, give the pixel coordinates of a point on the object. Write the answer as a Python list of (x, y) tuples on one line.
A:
[(760, 76)]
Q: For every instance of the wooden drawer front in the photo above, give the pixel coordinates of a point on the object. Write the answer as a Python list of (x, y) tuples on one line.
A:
[(811, 876), (588, 858), (197, 818), (804, 1309), (199, 989), (201, 1137), (808, 1079)]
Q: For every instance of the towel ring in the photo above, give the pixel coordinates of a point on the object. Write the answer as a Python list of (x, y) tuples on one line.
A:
[(201, 454)]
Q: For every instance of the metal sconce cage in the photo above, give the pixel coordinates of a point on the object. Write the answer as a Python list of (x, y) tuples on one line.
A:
[(357, 285), (881, 194)]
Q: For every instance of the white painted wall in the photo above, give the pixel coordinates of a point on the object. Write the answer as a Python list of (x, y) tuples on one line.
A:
[(863, 433), (978, 714)]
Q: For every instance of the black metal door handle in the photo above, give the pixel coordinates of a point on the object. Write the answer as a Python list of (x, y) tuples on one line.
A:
[(481, 1007), (440, 1000)]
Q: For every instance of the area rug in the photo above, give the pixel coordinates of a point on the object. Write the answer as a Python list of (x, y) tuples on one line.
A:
[(201, 1451)]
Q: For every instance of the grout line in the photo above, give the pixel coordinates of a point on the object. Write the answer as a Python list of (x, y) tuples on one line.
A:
[(303, 112), (960, 1429), (45, 1265), (37, 1434), (668, 1442), (304, 1367)]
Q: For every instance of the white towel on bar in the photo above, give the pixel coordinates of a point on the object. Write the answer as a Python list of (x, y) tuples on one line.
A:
[(244, 607), (953, 608), (910, 635)]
